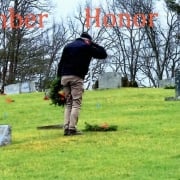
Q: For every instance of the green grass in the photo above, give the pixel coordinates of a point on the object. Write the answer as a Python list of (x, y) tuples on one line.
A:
[(145, 147)]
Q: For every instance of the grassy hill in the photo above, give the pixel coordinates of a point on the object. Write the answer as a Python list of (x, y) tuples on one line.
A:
[(146, 145)]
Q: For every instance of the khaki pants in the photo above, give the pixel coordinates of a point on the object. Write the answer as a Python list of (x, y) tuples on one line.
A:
[(73, 88)]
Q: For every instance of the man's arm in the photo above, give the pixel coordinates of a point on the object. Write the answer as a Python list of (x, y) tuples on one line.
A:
[(98, 51)]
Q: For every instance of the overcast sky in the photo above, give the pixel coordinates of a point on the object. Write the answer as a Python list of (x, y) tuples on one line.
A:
[(64, 8)]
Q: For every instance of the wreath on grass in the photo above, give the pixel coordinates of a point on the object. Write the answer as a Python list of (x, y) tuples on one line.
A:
[(56, 93), (102, 127)]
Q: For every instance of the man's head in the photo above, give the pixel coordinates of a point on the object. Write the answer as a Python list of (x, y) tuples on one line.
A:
[(86, 35)]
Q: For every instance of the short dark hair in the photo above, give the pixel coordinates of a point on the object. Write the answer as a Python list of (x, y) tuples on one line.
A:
[(86, 35)]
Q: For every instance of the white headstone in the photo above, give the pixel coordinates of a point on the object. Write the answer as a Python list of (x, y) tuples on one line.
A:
[(12, 89), (5, 135), (25, 87), (110, 80), (167, 82)]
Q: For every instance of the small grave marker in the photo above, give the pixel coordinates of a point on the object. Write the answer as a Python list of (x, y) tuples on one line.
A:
[(5, 135)]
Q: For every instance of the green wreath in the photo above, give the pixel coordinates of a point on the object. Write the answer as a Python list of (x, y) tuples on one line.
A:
[(56, 93), (102, 127)]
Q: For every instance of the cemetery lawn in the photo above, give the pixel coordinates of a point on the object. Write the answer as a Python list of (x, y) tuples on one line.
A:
[(146, 145)]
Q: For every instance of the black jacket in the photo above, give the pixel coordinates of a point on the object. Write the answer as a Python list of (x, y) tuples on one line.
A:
[(76, 57)]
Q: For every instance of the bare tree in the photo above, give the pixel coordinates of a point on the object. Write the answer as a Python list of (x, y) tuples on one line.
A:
[(127, 38), (23, 18), (145, 54), (165, 51), (53, 41)]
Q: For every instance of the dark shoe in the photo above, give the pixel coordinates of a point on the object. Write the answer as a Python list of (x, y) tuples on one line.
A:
[(73, 132), (66, 132)]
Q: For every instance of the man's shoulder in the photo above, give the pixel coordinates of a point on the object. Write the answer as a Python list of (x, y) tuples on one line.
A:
[(78, 43)]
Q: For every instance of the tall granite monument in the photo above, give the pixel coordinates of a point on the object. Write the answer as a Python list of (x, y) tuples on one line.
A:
[(177, 88), (177, 83)]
